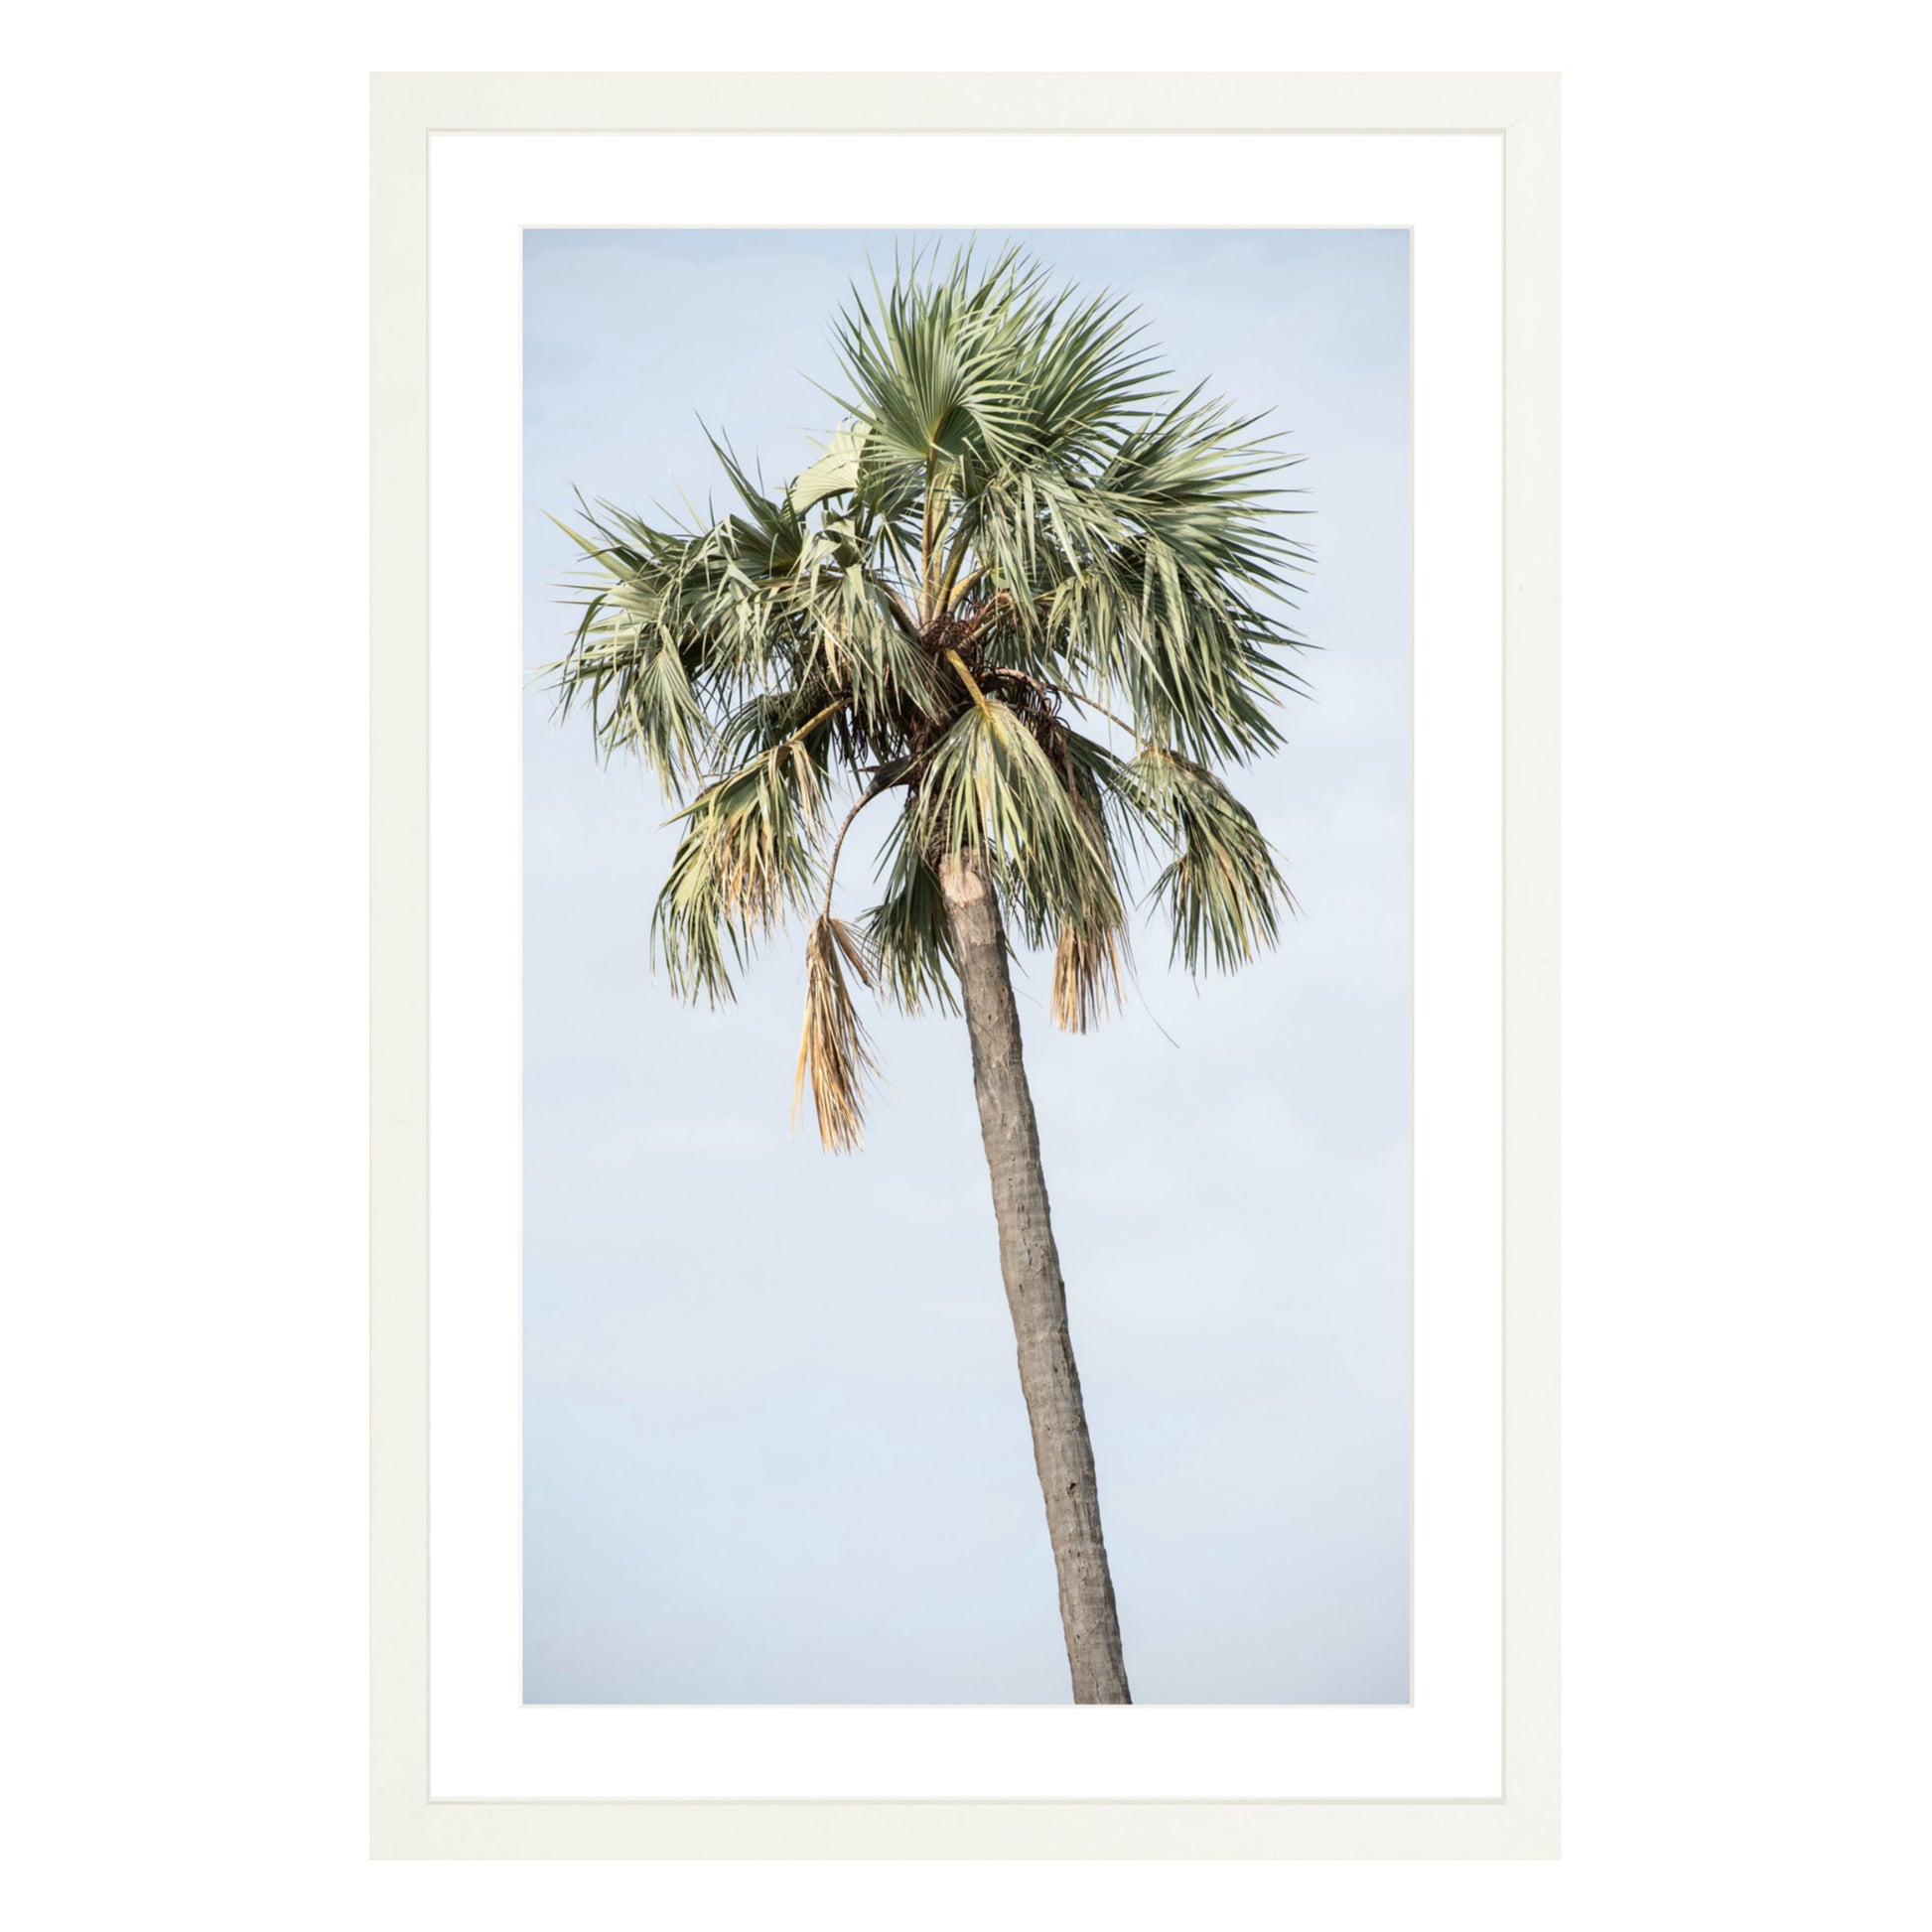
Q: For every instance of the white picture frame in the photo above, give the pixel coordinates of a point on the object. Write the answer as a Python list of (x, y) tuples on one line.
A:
[(1518, 111)]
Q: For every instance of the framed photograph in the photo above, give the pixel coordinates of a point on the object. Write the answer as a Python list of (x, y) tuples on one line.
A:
[(965, 979)]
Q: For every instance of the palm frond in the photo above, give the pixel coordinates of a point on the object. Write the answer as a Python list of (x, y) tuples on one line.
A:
[(908, 930), (1224, 891), (834, 1052), (927, 363), (1086, 976), (744, 862), (675, 623), (989, 789)]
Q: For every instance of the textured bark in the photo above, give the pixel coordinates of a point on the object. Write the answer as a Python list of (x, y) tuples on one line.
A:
[(1035, 1293)]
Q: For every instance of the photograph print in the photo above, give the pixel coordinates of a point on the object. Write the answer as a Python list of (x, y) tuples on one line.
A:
[(966, 967)]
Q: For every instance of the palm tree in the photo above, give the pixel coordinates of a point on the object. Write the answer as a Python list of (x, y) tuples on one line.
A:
[(1018, 525)]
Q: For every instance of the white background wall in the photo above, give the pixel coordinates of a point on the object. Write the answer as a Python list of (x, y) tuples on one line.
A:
[(183, 814)]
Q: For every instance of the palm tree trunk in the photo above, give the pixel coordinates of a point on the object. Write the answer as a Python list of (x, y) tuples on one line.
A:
[(1036, 1293)]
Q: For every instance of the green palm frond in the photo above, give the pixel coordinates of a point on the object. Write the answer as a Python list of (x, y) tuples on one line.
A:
[(930, 364), (992, 791), (907, 931), (745, 862), (1224, 891)]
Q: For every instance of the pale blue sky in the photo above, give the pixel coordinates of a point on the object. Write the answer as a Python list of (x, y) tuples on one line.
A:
[(774, 1445)]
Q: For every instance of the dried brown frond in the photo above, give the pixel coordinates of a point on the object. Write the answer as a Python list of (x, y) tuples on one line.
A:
[(834, 1048), (1086, 978)]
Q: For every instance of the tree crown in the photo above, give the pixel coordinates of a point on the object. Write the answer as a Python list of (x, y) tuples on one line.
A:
[(1020, 525)]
